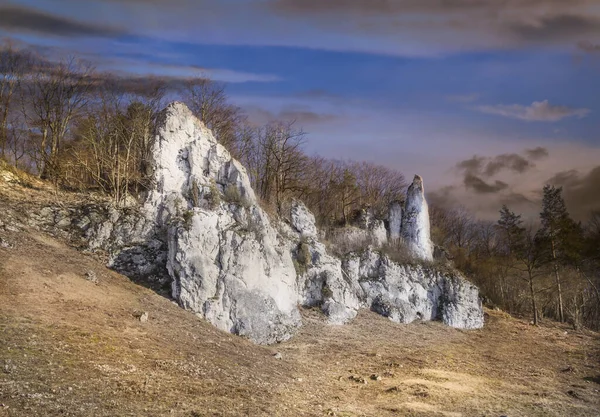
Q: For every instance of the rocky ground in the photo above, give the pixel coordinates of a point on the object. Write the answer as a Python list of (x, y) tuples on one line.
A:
[(77, 339)]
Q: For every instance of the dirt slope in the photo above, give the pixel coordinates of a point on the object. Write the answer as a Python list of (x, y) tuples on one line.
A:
[(72, 347)]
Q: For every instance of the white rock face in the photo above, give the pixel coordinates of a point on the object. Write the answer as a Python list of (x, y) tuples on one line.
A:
[(375, 227), (407, 293), (202, 230), (395, 221), (189, 164), (226, 260), (415, 221), (303, 220), (369, 279)]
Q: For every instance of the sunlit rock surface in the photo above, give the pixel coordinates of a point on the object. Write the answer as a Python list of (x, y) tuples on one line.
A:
[(201, 230), (226, 260), (415, 221)]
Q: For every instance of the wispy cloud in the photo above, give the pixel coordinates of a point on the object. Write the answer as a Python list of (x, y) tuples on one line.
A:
[(21, 19), (538, 111), (141, 67), (537, 153), (589, 47), (302, 115)]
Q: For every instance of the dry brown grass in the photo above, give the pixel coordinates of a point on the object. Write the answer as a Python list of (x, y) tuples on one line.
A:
[(72, 347)]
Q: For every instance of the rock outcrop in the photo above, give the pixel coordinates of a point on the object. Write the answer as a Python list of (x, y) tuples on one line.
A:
[(370, 279), (226, 260), (395, 221), (202, 231), (415, 221), (406, 293)]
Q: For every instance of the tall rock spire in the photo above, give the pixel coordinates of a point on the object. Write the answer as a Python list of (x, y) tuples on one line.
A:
[(415, 221)]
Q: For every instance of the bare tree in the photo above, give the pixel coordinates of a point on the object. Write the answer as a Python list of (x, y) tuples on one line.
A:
[(114, 139), (13, 65), (378, 185), (282, 161), (208, 101), (57, 92), (530, 261)]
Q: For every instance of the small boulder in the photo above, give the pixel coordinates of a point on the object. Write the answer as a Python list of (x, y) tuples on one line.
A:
[(91, 276)]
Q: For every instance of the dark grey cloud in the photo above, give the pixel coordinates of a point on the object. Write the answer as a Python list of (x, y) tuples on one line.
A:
[(478, 171), (537, 153), (589, 47), (563, 26), (518, 201), (510, 162), (511, 21), (490, 166), (580, 190), (22, 19), (442, 197), (485, 192), (479, 186), (416, 6), (474, 164), (569, 178)]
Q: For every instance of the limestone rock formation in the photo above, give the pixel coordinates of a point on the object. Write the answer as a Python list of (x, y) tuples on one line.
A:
[(395, 221), (320, 279), (201, 230), (370, 279), (405, 293), (303, 220), (415, 221), (226, 260)]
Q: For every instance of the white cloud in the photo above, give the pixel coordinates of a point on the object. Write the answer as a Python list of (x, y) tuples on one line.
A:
[(538, 111)]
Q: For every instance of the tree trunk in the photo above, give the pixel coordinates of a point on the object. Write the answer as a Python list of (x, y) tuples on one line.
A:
[(561, 315), (533, 301), (44, 155)]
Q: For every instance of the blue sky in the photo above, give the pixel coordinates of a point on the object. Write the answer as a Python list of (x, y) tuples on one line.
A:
[(417, 85)]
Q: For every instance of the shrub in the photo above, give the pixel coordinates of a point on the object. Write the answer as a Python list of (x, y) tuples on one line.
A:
[(340, 244), (232, 195), (214, 196), (188, 215), (194, 194), (300, 269), (326, 291), (400, 253), (303, 257)]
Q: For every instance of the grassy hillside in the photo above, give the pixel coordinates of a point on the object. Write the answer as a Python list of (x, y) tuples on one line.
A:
[(70, 346)]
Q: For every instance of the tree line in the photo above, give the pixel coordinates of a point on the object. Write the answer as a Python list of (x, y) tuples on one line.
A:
[(549, 267), (88, 130)]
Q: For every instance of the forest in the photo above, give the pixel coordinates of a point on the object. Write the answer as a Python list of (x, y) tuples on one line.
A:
[(91, 131)]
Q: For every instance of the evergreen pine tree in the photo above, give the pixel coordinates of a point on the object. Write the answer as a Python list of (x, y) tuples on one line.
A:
[(560, 235)]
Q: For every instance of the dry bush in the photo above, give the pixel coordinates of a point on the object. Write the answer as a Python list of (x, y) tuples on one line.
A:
[(233, 195)]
